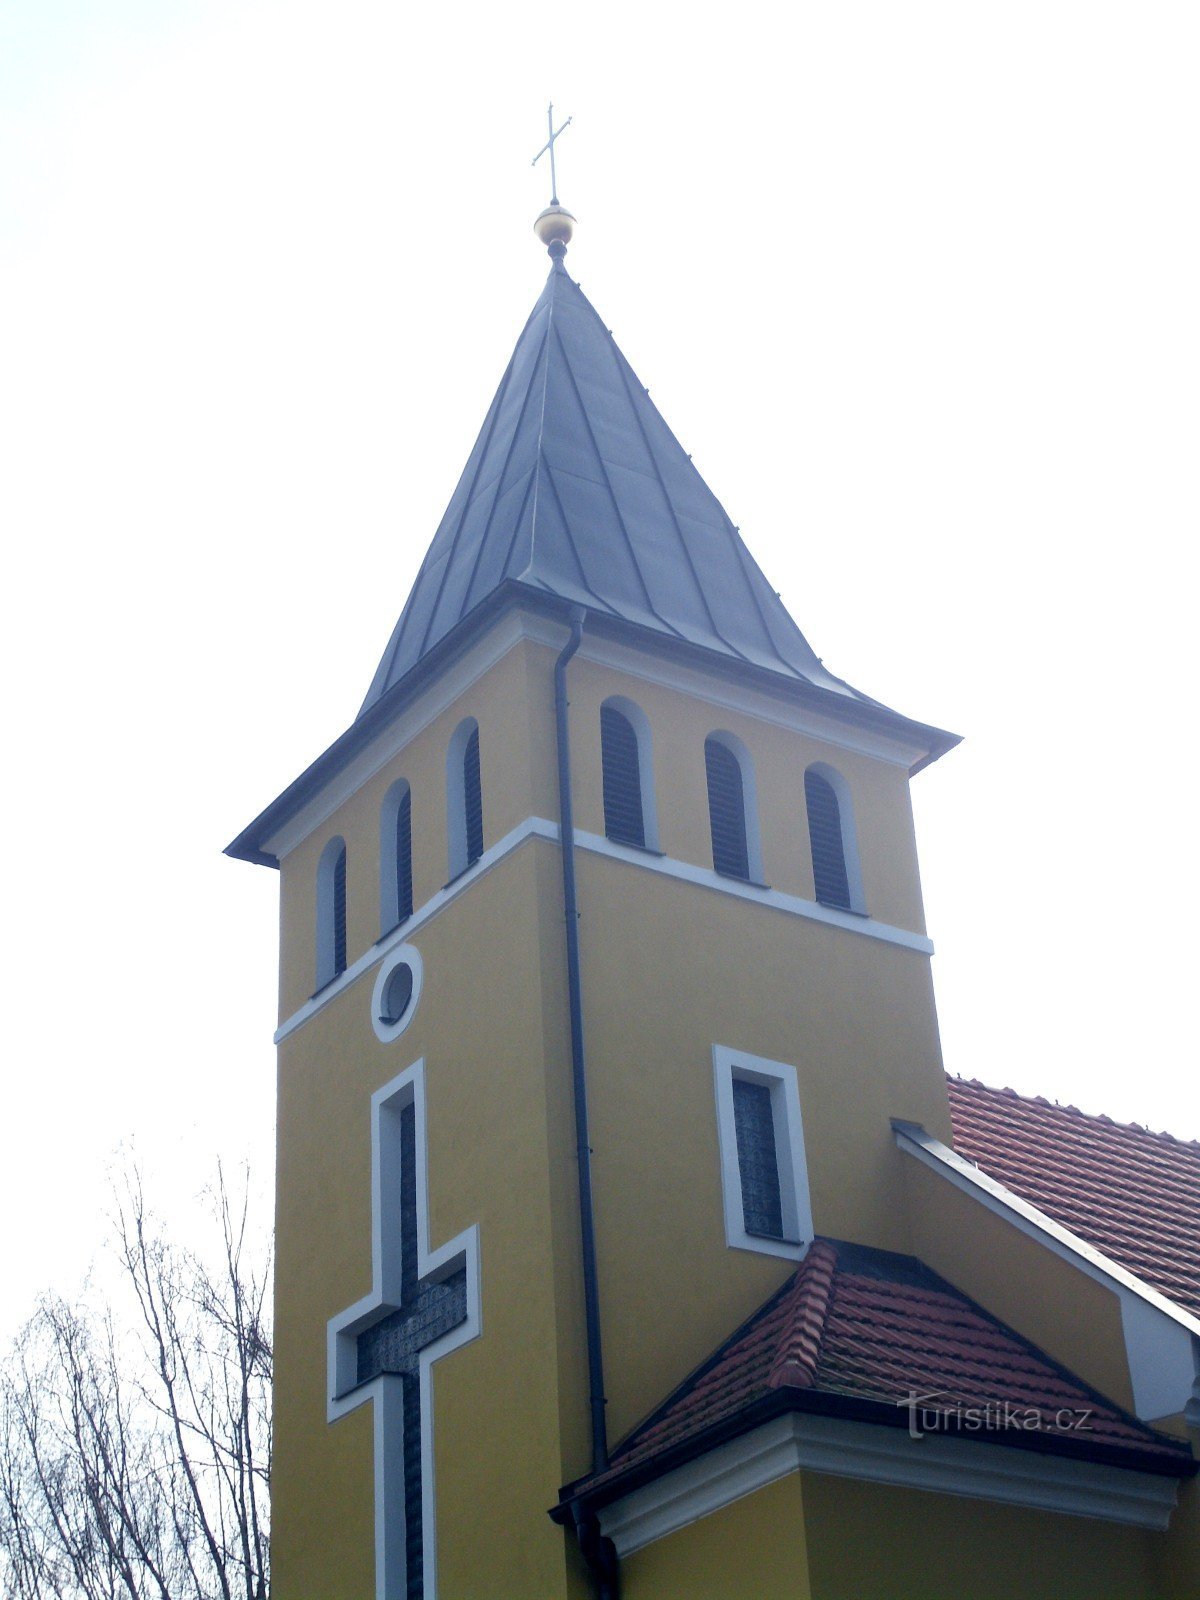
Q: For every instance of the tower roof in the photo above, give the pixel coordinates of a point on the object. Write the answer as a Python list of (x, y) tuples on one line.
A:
[(576, 488), (576, 493)]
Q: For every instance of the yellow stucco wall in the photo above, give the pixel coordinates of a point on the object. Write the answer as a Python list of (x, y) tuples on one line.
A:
[(754, 1549), (870, 1542), (1063, 1311), (813, 1536), (510, 702), (669, 968), (479, 1028), (681, 721), (672, 968), (1178, 1554)]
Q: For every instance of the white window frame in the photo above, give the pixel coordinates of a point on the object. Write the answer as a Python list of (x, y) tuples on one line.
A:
[(406, 955), (795, 1205)]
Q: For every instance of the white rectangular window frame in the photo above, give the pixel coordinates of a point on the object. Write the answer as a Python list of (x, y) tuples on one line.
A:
[(781, 1080)]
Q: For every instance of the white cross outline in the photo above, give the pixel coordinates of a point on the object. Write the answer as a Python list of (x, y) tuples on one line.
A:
[(386, 1393)]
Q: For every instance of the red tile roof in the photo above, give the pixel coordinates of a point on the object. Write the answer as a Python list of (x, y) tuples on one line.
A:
[(858, 1332), (1133, 1194)]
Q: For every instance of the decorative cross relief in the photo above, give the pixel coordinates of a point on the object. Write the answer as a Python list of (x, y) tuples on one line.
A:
[(423, 1304)]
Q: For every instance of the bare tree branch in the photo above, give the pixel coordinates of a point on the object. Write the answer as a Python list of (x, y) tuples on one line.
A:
[(135, 1445)]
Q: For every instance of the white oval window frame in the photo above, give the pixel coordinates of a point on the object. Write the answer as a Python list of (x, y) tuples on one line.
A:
[(405, 955)]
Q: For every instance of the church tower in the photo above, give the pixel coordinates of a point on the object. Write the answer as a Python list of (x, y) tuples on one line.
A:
[(614, 1156)]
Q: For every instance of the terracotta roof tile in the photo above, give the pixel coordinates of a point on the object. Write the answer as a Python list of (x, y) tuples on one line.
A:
[(1131, 1193), (860, 1332)]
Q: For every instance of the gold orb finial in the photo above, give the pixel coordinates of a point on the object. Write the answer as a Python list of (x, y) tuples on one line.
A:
[(555, 227), (556, 224)]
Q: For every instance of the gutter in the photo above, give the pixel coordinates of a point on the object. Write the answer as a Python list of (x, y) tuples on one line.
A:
[(598, 1551), (590, 1499)]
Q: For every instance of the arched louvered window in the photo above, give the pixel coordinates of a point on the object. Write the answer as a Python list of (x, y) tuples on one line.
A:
[(831, 835), (464, 793), (331, 912), (620, 755), (726, 809), (395, 857), (339, 912), (473, 798)]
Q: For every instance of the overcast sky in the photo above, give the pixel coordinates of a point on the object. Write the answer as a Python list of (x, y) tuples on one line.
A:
[(917, 287)]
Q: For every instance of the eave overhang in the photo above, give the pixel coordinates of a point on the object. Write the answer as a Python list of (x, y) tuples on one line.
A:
[(251, 844), (594, 1495), (870, 1365)]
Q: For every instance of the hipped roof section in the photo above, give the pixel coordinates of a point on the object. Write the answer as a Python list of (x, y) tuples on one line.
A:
[(578, 494), (864, 1334)]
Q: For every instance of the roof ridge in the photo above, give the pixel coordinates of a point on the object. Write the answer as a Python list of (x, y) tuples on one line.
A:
[(549, 293), (807, 1308), (1101, 1117)]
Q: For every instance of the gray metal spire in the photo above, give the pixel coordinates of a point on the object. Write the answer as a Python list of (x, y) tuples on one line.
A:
[(576, 488), (578, 494)]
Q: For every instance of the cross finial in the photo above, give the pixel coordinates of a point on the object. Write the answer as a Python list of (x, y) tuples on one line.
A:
[(549, 145), (555, 225)]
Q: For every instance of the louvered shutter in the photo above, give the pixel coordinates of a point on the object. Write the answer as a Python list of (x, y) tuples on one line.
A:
[(825, 836), (726, 810), (473, 798), (758, 1161), (339, 912), (623, 820), (404, 887)]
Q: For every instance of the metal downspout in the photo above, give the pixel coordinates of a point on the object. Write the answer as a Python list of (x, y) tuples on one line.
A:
[(598, 1551), (566, 830)]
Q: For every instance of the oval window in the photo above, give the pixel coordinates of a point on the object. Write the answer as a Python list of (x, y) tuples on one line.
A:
[(397, 995), (396, 992)]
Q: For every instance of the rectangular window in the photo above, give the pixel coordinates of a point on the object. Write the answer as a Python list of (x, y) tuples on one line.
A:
[(758, 1165), (764, 1175)]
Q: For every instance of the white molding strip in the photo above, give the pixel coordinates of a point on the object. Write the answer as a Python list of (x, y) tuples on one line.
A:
[(1162, 1340), (792, 904), (386, 1393), (531, 828), (540, 828), (876, 1454)]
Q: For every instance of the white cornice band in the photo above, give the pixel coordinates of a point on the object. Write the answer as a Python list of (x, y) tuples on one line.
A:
[(875, 1454)]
